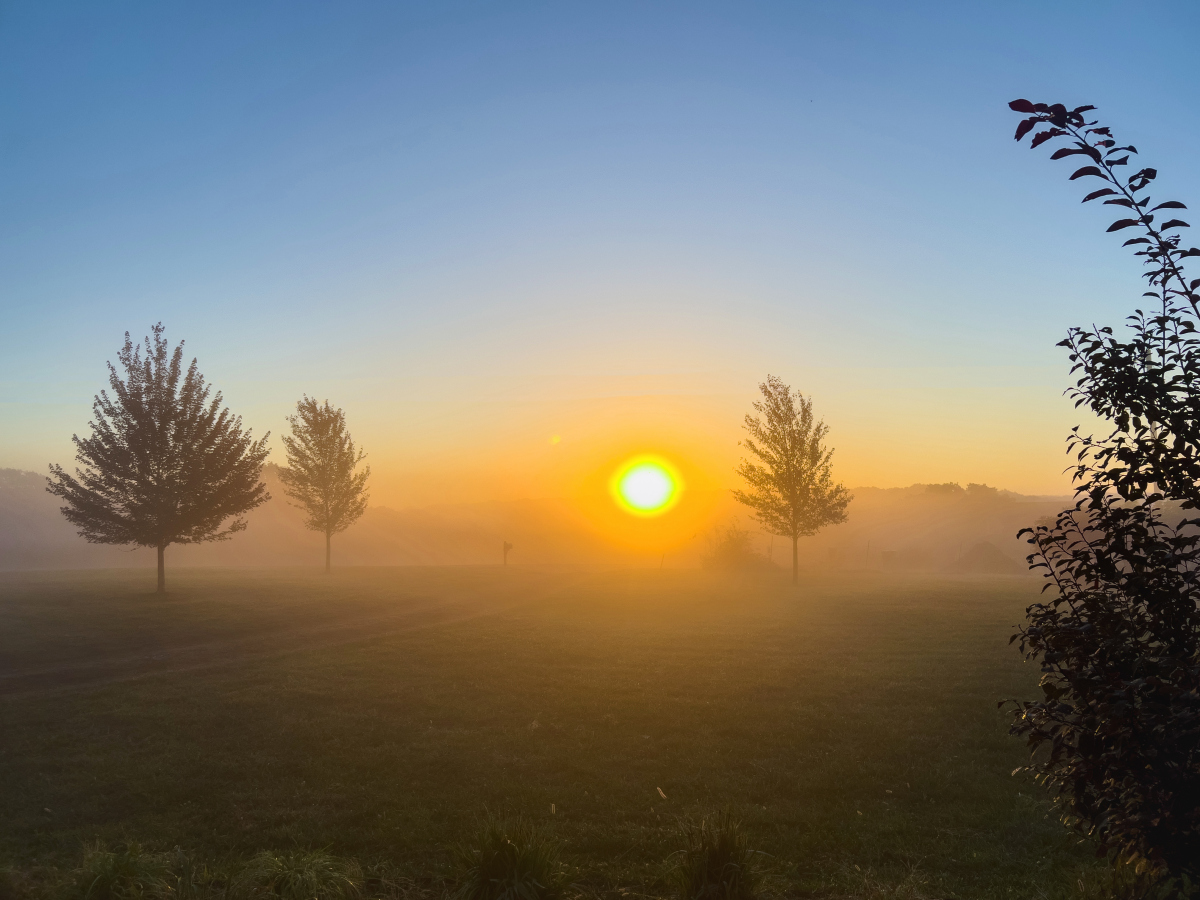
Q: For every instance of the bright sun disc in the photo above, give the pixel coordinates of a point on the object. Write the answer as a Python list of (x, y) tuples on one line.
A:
[(646, 486)]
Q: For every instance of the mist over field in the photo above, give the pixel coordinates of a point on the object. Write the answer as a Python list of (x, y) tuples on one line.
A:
[(922, 528)]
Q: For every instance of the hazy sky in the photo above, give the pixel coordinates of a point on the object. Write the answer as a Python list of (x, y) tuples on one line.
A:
[(478, 227)]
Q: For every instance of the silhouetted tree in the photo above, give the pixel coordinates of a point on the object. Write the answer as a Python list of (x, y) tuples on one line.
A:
[(792, 492), (320, 474), (1116, 735), (164, 463)]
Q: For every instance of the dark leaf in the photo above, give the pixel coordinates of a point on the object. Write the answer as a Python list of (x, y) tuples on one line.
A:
[(1024, 128), (1021, 106), (1103, 192), (1120, 201), (1136, 241), (1086, 170), (1174, 223), (1042, 136), (1121, 223), (1171, 204), (1063, 152)]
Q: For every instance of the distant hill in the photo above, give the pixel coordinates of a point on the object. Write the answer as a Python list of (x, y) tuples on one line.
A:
[(918, 528), (932, 527)]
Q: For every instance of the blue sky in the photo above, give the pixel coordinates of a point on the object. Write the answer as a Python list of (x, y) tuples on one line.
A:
[(474, 225)]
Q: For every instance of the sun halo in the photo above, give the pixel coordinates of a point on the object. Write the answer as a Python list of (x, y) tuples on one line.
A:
[(646, 486)]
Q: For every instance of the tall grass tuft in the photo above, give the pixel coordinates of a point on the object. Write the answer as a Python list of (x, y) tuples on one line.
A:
[(126, 873), (188, 881), (716, 862), (300, 875), (510, 860)]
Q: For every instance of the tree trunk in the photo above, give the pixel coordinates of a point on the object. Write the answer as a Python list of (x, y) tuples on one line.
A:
[(162, 570), (795, 560), (327, 537)]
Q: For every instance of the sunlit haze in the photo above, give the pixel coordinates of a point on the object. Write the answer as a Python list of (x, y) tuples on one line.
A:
[(520, 244)]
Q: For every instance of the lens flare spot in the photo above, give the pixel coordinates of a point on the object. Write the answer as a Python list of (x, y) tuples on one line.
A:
[(646, 486)]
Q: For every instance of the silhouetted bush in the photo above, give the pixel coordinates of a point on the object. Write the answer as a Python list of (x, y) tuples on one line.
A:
[(1116, 734), (730, 550), (299, 875), (716, 862), (510, 860)]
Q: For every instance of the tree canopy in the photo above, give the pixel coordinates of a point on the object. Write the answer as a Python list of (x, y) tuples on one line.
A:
[(320, 475), (165, 463), (790, 478)]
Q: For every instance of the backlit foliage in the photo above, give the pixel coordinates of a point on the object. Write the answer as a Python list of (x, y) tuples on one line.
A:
[(164, 464), (320, 474), (790, 474), (1116, 736)]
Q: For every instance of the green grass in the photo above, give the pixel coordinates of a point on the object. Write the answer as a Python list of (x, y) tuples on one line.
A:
[(127, 873), (851, 726), (297, 875)]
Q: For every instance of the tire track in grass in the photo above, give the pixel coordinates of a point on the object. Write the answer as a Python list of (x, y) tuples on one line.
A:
[(274, 642)]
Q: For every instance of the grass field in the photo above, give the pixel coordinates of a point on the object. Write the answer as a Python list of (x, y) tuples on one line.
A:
[(851, 725)]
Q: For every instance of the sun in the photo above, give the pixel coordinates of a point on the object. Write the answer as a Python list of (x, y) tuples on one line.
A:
[(646, 486)]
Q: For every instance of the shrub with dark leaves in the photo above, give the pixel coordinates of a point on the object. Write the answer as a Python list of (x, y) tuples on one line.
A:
[(1116, 734)]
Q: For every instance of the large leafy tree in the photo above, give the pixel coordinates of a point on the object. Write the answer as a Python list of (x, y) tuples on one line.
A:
[(1116, 734), (790, 485), (165, 463), (321, 474)]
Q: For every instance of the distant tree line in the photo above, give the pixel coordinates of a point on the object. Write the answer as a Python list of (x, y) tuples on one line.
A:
[(166, 463)]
